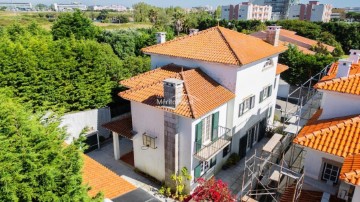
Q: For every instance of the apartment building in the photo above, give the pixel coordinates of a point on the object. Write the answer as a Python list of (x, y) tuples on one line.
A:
[(209, 94), (331, 138), (69, 7), (246, 11), (313, 11)]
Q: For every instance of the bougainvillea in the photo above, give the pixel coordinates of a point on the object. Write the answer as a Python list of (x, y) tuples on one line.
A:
[(212, 190)]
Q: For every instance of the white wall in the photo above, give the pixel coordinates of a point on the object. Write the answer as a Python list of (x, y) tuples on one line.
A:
[(93, 119), (331, 108), (294, 12), (313, 162), (150, 120), (284, 89), (356, 196), (225, 12), (223, 74)]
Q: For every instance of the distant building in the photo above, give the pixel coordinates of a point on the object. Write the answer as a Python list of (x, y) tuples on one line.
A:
[(246, 11), (16, 6), (338, 13), (313, 11), (206, 8), (280, 8), (352, 9), (69, 7), (117, 8)]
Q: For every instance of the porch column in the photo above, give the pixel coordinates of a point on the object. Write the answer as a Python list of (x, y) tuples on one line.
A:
[(116, 144)]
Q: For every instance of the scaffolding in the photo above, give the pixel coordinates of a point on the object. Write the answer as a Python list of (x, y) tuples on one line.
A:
[(268, 175)]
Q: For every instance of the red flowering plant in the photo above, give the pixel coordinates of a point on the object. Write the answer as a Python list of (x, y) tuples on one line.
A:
[(212, 190)]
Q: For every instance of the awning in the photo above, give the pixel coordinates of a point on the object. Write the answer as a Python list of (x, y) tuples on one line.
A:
[(122, 126), (271, 144)]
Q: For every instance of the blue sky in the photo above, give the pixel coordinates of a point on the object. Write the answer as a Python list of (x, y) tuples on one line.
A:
[(183, 3)]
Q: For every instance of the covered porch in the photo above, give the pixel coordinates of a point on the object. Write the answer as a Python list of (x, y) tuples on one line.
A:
[(122, 134)]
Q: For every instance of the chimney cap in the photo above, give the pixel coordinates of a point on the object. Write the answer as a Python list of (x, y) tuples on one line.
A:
[(354, 52), (273, 27), (345, 61), (161, 33), (174, 81)]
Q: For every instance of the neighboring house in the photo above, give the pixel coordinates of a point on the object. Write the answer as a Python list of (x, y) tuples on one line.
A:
[(331, 138), (290, 37), (280, 8), (313, 11), (246, 11), (69, 7), (208, 94)]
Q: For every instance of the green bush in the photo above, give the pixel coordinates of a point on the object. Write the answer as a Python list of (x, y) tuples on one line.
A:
[(231, 161)]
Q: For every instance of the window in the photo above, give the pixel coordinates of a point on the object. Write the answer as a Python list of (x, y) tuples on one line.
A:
[(227, 150), (269, 112), (149, 141), (330, 172), (275, 83), (206, 128), (265, 93), (213, 162), (246, 105)]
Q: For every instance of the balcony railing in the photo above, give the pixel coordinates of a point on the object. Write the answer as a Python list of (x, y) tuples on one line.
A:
[(208, 151)]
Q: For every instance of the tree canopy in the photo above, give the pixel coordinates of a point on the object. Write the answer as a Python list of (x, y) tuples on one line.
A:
[(35, 165), (76, 24)]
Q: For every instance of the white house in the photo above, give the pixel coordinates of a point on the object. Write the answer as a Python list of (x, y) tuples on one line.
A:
[(331, 138), (246, 11), (208, 94)]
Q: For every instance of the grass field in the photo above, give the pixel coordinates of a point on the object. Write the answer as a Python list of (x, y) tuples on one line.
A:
[(25, 18)]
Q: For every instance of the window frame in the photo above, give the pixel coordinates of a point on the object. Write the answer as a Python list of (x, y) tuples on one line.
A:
[(246, 105), (331, 170)]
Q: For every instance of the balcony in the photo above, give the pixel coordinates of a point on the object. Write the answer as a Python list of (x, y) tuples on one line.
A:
[(208, 151)]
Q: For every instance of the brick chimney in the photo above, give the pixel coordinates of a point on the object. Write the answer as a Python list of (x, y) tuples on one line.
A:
[(173, 92), (161, 37), (193, 31), (273, 35), (354, 56), (343, 68)]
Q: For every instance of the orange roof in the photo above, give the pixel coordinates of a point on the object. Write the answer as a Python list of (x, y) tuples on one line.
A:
[(338, 136), (287, 36), (122, 126), (350, 84), (201, 93), (305, 196), (350, 171), (281, 68), (218, 45), (101, 179)]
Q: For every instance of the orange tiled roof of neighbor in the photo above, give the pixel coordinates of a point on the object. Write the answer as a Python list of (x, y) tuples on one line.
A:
[(350, 84), (281, 68), (287, 36), (201, 93), (218, 45), (121, 126), (338, 136), (101, 179), (350, 171), (305, 196)]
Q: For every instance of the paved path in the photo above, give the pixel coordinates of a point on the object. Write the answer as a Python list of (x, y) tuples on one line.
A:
[(105, 156), (233, 176)]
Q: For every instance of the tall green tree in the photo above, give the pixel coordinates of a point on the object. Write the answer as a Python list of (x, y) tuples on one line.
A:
[(34, 163), (76, 24), (141, 12)]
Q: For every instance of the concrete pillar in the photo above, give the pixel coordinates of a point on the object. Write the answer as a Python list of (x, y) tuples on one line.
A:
[(116, 144)]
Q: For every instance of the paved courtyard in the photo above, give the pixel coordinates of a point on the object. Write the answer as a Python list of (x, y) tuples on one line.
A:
[(233, 176), (105, 156)]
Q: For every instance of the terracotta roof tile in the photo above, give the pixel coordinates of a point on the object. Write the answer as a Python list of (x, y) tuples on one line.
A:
[(281, 68), (338, 136), (101, 179), (287, 36), (219, 45), (201, 93), (350, 171), (122, 126), (305, 196), (350, 84)]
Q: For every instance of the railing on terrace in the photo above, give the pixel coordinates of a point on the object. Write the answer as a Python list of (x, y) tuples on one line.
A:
[(215, 146)]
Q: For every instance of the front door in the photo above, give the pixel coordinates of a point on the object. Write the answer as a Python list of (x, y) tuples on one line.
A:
[(242, 146), (262, 129)]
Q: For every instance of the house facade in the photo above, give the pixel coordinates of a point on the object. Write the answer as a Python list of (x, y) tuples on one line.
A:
[(331, 138), (208, 95), (313, 11)]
